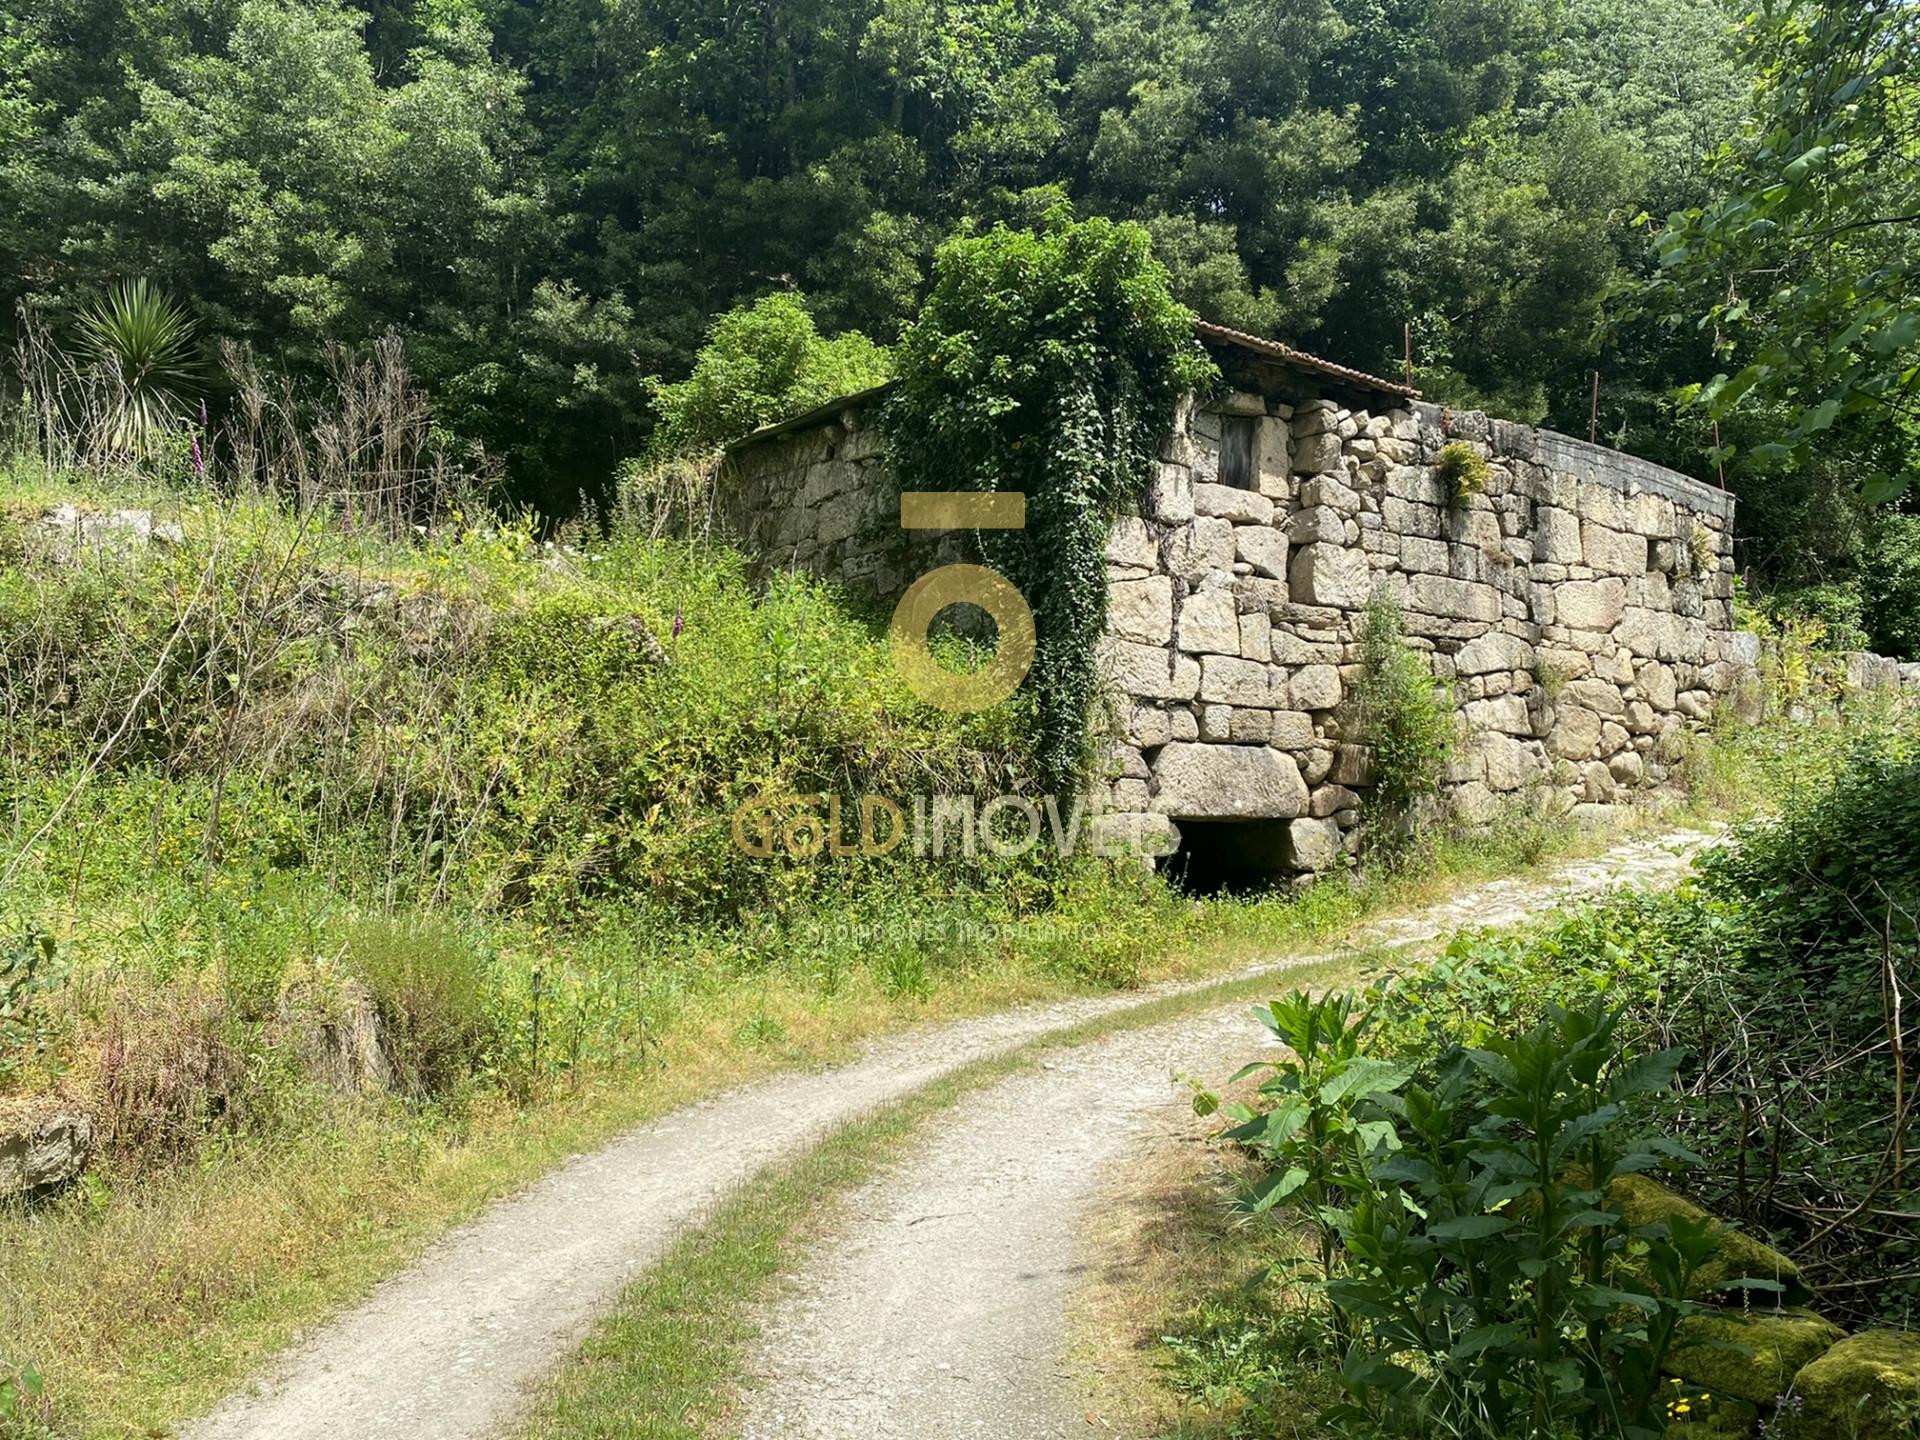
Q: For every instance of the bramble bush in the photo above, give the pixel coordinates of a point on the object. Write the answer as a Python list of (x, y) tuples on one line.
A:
[(1779, 965)]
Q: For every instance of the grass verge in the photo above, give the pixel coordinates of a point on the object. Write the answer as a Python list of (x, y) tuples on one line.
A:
[(1188, 1329)]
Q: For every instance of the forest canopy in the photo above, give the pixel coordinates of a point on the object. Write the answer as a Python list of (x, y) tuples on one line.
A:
[(553, 204)]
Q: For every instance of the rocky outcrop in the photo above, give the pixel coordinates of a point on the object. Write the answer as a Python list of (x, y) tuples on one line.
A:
[(1762, 1355), (335, 1028), (1740, 1257), (1867, 1387), (1750, 1356), (44, 1154), (69, 531)]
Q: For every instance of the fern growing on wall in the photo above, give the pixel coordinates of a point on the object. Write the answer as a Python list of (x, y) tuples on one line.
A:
[(1462, 470)]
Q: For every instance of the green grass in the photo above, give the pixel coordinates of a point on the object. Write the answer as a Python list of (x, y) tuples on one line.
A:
[(145, 1297)]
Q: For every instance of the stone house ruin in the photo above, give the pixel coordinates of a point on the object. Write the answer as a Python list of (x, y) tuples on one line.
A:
[(1578, 607)]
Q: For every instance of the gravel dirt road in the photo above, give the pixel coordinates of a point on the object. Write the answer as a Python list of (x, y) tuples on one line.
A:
[(446, 1349), (940, 1312)]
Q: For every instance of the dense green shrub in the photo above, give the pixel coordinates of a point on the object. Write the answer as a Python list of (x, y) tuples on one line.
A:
[(431, 992), (484, 721), (1784, 966), (761, 362), (1871, 598), (1047, 363), (1837, 607), (1482, 1279), (1891, 585), (1400, 711)]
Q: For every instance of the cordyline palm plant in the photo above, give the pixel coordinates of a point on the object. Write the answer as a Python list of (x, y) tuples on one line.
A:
[(141, 343)]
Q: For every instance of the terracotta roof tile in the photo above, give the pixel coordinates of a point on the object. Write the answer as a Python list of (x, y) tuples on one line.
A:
[(1300, 359)]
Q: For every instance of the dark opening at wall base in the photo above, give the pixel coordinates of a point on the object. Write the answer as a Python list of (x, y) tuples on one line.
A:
[(1230, 857)]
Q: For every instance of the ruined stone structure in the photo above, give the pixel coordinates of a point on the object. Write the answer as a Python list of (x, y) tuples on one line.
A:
[(1578, 607)]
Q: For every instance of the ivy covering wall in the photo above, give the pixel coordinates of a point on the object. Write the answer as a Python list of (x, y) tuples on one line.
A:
[(1047, 362)]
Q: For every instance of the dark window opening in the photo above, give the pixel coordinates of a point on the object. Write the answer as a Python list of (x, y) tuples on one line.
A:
[(1230, 857), (1236, 452)]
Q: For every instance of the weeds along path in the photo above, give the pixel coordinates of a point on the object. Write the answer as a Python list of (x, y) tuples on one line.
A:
[(447, 1348), (940, 1311)]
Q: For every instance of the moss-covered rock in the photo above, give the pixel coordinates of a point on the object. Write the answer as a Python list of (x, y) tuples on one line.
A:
[(1753, 1357), (1741, 1257), (1867, 1387)]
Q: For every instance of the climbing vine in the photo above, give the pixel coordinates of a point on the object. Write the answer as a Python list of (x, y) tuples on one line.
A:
[(1047, 363)]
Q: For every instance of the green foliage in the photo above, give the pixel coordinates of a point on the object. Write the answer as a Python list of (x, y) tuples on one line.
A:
[(140, 344), (762, 362), (1046, 363), (1317, 1117), (1483, 1281), (1817, 619), (1890, 582), (1501, 1291), (1775, 965), (27, 974), (1808, 261), (1462, 469), (431, 992), (1401, 712), (581, 748), (19, 1384), (551, 207)]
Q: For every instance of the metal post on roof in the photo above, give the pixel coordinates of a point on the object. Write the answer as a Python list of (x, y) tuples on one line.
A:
[(1407, 367)]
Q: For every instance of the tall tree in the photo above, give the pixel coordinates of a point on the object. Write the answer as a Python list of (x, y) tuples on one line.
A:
[(1807, 269)]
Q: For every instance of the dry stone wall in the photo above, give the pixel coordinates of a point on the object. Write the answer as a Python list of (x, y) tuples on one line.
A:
[(821, 499), (1578, 608)]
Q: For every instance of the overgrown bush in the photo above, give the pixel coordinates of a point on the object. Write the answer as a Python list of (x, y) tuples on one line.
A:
[(1784, 966), (1482, 1279), (220, 750), (1399, 710), (27, 973), (761, 362), (433, 998), (1046, 363)]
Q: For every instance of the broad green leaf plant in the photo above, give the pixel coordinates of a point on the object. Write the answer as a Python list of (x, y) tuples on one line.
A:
[(1482, 1280)]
